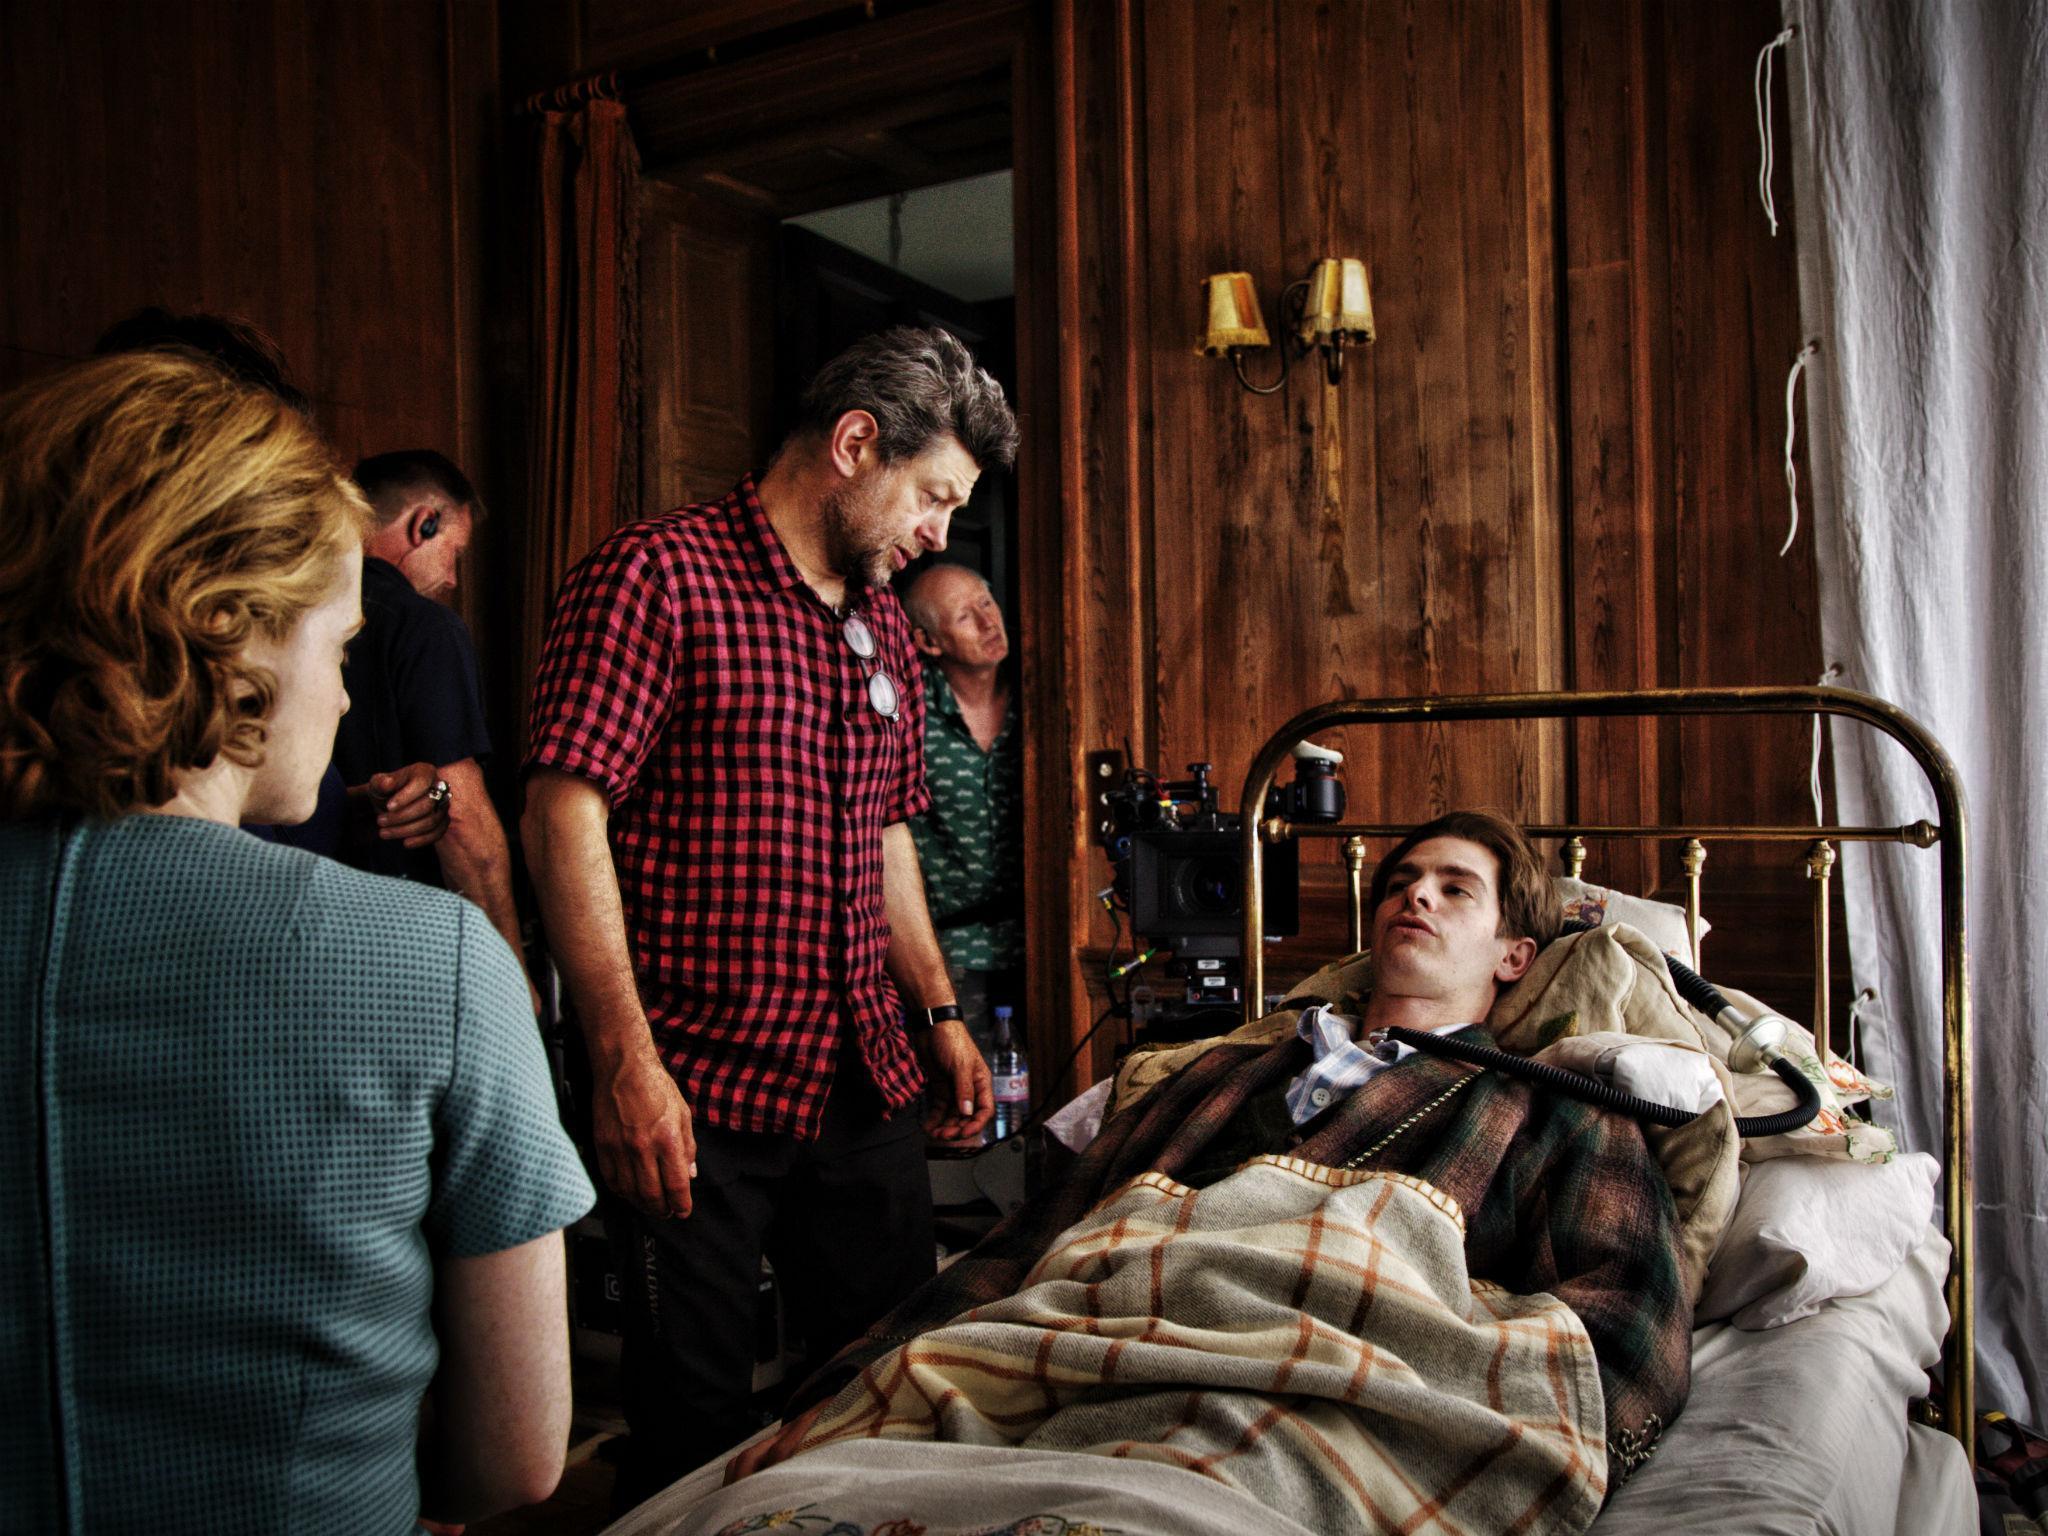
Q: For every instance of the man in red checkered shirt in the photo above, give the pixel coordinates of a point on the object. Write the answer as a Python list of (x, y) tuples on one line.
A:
[(727, 742)]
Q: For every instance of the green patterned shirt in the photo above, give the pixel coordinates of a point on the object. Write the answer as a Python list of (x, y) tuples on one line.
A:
[(971, 842)]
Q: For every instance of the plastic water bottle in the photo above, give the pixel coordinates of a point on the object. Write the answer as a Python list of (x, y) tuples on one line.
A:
[(1012, 1074)]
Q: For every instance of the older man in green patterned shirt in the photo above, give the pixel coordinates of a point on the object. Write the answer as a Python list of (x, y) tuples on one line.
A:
[(970, 843)]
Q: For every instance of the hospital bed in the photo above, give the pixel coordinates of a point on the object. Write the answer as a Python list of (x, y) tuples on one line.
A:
[(1820, 1423)]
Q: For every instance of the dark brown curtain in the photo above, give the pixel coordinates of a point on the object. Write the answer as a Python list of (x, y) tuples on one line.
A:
[(586, 342)]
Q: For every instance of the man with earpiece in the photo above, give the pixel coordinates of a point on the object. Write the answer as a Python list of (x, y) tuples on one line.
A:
[(412, 680)]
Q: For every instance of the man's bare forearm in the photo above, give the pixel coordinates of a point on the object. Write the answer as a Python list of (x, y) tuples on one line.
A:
[(918, 966), (646, 1150), (476, 861), (916, 963), (569, 857)]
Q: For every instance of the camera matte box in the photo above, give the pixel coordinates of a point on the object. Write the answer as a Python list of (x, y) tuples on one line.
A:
[(1191, 885)]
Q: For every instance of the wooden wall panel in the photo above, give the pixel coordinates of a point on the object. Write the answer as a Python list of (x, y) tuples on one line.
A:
[(1554, 469), (1741, 613), (320, 169), (288, 163), (1395, 534), (1680, 319), (1616, 350)]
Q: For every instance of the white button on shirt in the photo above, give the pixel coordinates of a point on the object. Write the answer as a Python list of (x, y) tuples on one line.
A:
[(1341, 1065)]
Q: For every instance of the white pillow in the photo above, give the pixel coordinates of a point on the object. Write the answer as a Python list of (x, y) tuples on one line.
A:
[(1658, 921), (1809, 1229)]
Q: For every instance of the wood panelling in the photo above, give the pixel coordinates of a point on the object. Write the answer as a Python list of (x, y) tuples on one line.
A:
[(324, 170), (1681, 317), (1396, 534), (1616, 442), (1555, 468), (291, 163), (1741, 612)]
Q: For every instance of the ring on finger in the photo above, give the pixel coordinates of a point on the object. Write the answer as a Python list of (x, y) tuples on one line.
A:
[(440, 793)]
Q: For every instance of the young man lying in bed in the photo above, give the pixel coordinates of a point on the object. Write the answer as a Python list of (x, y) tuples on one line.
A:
[(1354, 1284)]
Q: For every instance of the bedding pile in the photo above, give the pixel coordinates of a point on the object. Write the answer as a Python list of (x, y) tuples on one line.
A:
[(1306, 1335), (1787, 1432), (1165, 1344), (1559, 1199)]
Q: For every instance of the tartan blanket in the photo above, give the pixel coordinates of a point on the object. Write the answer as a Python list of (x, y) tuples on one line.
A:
[(1559, 1198), (1304, 1334)]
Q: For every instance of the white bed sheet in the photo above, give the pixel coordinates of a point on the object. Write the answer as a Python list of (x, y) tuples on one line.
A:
[(1801, 1429), (1788, 1432)]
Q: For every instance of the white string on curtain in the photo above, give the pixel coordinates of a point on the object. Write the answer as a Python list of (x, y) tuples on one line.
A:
[(1799, 363), (1767, 140), (1919, 136)]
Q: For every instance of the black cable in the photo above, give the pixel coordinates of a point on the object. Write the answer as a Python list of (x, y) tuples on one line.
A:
[(1115, 1009), (1593, 1091), (1803, 1088), (1695, 988), (1706, 997), (1038, 1116)]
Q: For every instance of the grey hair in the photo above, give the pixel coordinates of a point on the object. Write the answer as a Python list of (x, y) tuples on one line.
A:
[(919, 606), (919, 385)]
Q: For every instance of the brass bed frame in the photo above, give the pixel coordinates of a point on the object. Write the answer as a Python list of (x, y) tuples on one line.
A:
[(1957, 1412)]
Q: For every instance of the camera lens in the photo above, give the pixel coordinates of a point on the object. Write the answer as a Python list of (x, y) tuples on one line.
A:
[(1209, 886)]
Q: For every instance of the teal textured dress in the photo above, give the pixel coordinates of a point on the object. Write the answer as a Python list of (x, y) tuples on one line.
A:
[(250, 1098)]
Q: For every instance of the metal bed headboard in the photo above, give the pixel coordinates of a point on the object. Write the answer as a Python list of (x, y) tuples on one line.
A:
[(1959, 1350)]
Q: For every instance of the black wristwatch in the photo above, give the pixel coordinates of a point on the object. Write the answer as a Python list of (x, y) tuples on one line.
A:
[(933, 1017)]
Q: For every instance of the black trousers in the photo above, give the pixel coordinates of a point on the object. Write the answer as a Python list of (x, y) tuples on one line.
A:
[(847, 1222)]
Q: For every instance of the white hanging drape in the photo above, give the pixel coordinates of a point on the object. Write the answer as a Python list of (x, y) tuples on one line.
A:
[(1920, 157)]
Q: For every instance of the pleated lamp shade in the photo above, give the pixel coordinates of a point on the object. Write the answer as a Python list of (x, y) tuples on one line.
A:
[(1234, 318), (1338, 306)]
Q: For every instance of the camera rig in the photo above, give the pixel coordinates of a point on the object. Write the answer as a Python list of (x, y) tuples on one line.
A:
[(1179, 872)]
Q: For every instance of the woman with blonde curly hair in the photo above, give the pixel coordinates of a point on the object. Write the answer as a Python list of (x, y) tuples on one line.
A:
[(281, 1176)]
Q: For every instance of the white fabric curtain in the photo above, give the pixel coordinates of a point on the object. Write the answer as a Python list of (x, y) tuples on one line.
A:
[(1920, 161)]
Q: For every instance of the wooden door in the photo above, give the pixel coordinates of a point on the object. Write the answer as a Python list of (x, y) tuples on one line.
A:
[(707, 331)]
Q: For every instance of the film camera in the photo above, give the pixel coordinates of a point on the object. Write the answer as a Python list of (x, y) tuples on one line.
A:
[(1180, 870)]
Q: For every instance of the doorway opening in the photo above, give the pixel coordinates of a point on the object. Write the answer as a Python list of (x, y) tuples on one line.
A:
[(797, 201), (941, 255)]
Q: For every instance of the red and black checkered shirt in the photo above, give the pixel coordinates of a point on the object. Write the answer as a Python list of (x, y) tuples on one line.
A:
[(692, 675)]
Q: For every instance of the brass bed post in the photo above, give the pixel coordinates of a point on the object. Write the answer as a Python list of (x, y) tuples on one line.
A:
[(1958, 1188), (1693, 860), (1820, 863), (1574, 855), (1354, 861), (1959, 1350)]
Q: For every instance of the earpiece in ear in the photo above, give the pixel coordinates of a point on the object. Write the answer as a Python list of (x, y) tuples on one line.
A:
[(430, 525)]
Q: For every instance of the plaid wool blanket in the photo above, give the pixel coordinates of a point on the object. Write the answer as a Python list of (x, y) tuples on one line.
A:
[(1558, 1198), (1306, 1335)]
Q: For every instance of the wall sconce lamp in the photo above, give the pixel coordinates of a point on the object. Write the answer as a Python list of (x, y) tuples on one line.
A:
[(1327, 311)]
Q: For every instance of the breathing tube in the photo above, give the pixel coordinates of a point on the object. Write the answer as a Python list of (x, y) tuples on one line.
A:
[(1756, 1043)]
